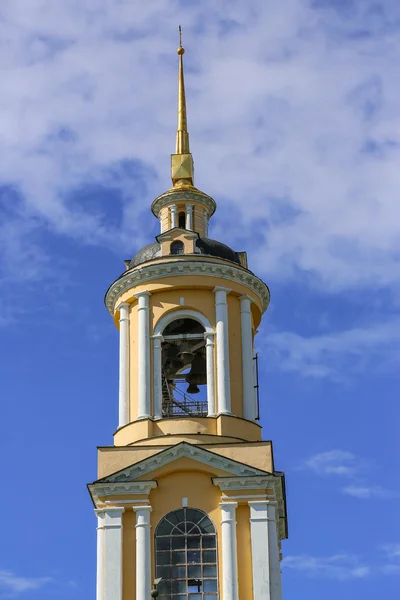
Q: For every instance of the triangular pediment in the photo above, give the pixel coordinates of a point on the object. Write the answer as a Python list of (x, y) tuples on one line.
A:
[(175, 453), (176, 233)]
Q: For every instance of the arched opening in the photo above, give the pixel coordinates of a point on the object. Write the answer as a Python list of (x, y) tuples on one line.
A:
[(186, 556), (182, 220), (177, 247), (184, 369)]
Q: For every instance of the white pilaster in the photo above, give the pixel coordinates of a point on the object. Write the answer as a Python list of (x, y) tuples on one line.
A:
[(189, 216), (249, 396), (205, 217), (157, 376), (143, 553), (112, 554), (209, 337), (265, 551), (143, 342), (100, 555), (123, 416), (223, 371), (173, 216), (230, 587)]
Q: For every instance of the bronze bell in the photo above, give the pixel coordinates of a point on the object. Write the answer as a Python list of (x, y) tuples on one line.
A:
[(172, 362), (197, 374), (185, 354)]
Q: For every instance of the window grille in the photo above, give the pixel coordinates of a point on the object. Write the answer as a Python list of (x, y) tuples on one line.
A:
[(177, 247), (186, 556)]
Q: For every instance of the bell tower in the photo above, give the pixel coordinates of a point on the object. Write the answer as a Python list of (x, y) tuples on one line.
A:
[(188, 495)]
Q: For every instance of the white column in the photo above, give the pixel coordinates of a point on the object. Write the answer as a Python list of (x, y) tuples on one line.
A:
[(223, 372), (205, 216), (123, 417), (230, 587), (100, 555), (209, 337), (143, 553), (143, 342), (173, 216), (249, 397), (189, 216), (265, 551), (113, 553), (157, 376)]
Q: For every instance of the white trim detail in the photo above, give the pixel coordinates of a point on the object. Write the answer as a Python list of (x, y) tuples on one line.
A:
[(173, 215), (210, 374), (181, 313), (98, 490), (100, 555), (196, 266), (157, 376), (265, 551), (112, 553), (143, 341), (181, 196), (189, 217), (223, 371), (249, 396), (181, 450), (143, 552), (230, 586), (123, 412)]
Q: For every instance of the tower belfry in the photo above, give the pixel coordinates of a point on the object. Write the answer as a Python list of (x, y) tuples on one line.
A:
[(188, 495)]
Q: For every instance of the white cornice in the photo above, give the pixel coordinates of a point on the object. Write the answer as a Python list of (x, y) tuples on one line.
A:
[(188, 267), (100, 489), (181, 450)]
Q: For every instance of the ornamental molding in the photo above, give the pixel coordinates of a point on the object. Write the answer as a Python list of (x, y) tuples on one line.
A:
[(141, 488), (174, 453), (273, 481), (245, 483), (183, 195), (161, 270)]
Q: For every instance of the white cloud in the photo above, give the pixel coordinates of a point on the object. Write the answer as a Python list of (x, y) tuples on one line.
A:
[(335, 355), (293, 114), (367, 492), (333, 462), (14, 584), (340, 566)]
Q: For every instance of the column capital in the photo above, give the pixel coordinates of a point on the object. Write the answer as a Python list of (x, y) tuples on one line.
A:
[(142, 294), (122, 306), (246, 297), (143, 507), (220, 288)]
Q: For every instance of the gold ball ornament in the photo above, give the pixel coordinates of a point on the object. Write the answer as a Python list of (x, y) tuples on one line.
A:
[(181, 51)]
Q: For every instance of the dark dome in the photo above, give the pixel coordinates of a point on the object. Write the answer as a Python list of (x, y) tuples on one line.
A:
[(203, 245), (147, 253), (214, 248)]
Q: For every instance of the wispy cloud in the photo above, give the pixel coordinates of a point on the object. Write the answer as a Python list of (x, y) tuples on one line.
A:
[(365, 492), (338, 353), (13, 584), (344, 464), (333, 462), (310, 138), (339, 566)]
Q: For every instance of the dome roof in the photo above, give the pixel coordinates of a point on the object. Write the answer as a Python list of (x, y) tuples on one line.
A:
[(204, 246), (215, 248)]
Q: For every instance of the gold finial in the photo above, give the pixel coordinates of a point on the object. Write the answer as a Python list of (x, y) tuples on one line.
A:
[(182, 161)]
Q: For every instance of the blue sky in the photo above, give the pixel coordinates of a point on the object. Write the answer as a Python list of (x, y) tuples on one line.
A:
[(295, 130)]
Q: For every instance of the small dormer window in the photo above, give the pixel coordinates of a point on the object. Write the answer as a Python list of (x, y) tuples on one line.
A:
[(182, 220), (177, 247)]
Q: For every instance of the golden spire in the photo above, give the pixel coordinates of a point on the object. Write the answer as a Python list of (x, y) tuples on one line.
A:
[(182, 161)]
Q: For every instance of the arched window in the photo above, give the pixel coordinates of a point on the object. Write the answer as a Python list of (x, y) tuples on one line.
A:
[(186, 556), (177, 247), (182, 220), (184, 369)]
